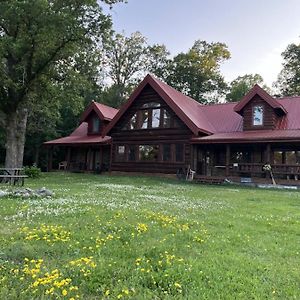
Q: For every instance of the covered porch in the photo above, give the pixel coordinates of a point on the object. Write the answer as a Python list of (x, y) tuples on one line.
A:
[(79, 158), (247, 160)]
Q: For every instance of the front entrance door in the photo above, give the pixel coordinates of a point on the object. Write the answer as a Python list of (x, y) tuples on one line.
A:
[(204, 162), (207, 163)]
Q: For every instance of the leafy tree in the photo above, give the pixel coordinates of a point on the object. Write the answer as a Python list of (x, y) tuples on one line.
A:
[(125, 63), (197, 72), (288, 82), (158, 61), (37, 39), (240, 86)]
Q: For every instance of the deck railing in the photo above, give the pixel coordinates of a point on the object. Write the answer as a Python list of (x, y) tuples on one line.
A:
[(257, 168)]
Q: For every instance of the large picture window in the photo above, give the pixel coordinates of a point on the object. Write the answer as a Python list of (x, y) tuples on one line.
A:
[(155, 118), (131, 153), (166, 119), (258, 115), (179, 154), (148, 152), (120, 153), (164, 152), (151, 115)]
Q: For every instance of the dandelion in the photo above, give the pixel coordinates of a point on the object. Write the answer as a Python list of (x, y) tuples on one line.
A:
[(141, 227)]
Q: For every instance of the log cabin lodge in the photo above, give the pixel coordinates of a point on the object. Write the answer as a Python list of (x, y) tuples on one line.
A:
[(160, 130)]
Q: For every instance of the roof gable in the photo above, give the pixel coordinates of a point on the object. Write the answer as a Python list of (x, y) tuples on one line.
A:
[(257, 90), (104, 112), (187, 109)]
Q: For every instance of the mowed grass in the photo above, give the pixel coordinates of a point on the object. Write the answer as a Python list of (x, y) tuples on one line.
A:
[(121, 237)]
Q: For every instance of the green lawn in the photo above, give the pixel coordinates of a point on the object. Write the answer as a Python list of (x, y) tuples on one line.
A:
[(121, 237)]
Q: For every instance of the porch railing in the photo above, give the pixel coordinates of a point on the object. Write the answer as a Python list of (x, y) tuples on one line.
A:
[(257, 168)]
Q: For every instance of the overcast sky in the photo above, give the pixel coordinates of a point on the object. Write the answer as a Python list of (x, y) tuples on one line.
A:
[(256, 31)]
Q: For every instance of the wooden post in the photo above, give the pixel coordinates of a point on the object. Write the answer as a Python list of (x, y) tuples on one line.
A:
[(111, 156), (268, 154), (100, 156), (88, 159), (227, 159), (68, 157), (50, 158)]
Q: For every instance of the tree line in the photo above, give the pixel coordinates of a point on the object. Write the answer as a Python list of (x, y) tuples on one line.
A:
[(56, 56)]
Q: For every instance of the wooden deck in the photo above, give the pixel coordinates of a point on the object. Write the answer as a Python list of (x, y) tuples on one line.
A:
[(242, 180)]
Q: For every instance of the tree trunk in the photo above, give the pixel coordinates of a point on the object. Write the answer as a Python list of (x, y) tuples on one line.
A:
[(15, 138)]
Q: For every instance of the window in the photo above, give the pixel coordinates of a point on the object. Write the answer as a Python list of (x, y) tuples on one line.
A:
[(290, 157), (278, 157), (152, 115), (166, 119), (96, 125), (133, 122), (155, 117), (258, 115), (145, 117), (121, 150), (166, 152), (148, 152), (120, 153), (131, 153), (179, 152), (151, 105), (240, 157)]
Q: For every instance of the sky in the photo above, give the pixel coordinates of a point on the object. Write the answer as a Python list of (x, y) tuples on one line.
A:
[(255, 31)]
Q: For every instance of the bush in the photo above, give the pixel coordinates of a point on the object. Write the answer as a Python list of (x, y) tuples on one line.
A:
[(33, 171)]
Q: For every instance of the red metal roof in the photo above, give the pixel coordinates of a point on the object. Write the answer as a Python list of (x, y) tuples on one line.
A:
[(292, 119), (186, 108), (221, 122), (79, 136), (103, 111), (257, 90), (190, 107), (250, 136), (223, 117)]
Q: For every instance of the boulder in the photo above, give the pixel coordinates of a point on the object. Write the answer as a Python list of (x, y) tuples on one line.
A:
[(3, 193)]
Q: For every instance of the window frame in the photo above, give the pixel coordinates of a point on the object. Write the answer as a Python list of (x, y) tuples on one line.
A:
[(94, 130), (262, 115)]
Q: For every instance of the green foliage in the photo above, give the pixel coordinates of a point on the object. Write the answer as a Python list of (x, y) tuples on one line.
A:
[(197, 72), (48, 59), (288, 82), (240, 86), (149, 238), (125, 62), (33, 171)]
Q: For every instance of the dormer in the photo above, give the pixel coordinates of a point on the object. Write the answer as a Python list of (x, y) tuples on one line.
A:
[(98, 116), (259, 110)]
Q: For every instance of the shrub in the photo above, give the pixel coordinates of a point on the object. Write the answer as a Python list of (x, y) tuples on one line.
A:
[(33, 171)]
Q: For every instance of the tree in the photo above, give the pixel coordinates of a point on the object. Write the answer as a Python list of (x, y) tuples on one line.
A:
[(159, 61), (197, 72), (62, 101), (240, 86), (288, 82), (125, 62), (37, 38)]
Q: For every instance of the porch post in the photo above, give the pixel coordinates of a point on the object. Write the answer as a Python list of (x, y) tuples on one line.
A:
[(68, 157), (100, 157), (268, 154), (227, 159), (49, 158), (88, 159)]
